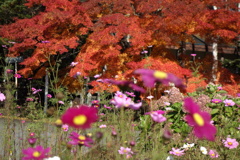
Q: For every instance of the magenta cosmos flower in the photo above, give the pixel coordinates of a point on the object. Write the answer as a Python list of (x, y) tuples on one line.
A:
[(37, 153), (230, 143), (228, 102), (177, 152), (78, 139), (80, 116), (200, 121), (2, 97), (216, 101), (149, 78), (157, 116)]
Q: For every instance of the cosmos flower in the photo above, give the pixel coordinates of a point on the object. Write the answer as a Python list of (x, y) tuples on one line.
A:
[(121, 100), (203, 150), (29, 99), (150, 97), (228, 102), (73, 64), (49, 96), (213, 154), (17, 75), (123, 84), (60, 102), (187, 146), (80, 116), (149, 77), (194, 55), (216, 100), (97, 76), (77, 139), (157, 116), (107, 107), (2, 97), (130, 94), (9, 71), (32, 140), (65, 127), (37, 153), (177, 152), (103, 126), (95, 102), (230, 143), (200, 121), (126, 151)]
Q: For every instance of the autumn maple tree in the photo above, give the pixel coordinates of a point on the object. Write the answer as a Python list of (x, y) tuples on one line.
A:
[(115, 34)]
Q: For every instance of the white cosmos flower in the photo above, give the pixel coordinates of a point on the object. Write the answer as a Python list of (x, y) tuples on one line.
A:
[(187, 146), (52, 158), (203, 150)]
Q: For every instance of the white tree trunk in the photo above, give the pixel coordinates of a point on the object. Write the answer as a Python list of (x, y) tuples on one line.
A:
[(215, 62)]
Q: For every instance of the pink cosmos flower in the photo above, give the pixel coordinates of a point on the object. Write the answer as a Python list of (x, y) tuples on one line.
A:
[(216, 101), (49, 96), (80, 116), (200, 121), (35, 91), (219, 88), (77, 139), (17, 75), (65, 127), (238, 94), (103, 126), (29, 99), (177, 152), (157, 116), (97, 76), (37, 153), (2, 97), (130, 94), (194, 55), (107, 107), (228, 102), (213, 154), (95, 102), (149, 77), (121, 100), (60, 102), (9, 71), (32, 134), (126, 151), (32, 140), (230, 143)]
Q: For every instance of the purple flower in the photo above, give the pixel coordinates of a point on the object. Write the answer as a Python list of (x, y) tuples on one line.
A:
[(213, 154), (149, 78), (230, 143), (216, 101), (238, 94), (127, 84), (228, 102), (45, 42), (4, 46), (177, 152), (157, 116), (37, 153), (32, 140), (78, 139), (2, 97), (200, 121)]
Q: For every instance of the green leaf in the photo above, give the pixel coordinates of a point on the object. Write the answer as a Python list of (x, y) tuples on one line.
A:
[(214, 111)]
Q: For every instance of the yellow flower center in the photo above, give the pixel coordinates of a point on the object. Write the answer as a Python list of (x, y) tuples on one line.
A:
[(82, 137), (36, 154), (58, 122), (198, 119), (79, 120), (213, 154), (159, 74), (124, 150), (230, 143)]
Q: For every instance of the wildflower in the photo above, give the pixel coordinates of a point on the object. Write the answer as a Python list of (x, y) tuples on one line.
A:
[(144, 52), (194, 55), (200, 121), (219, 88), (216, 101), (228, 102), (95, 102), (77, 139), (125, 84), (11, 42), (203, 150), (149, 78), (65, 127), (103, 126), (9, 71), (166, 103), (36, 90), (4, 46), (213, 154), (32, 134), (60, 102), (238, 94), (52, 158), (230, 143), (49, 96), (107, 107), (45, 42), (167, 134), (177, 152), (130, 94), (32, 140), (29, 99), (17, 75), (77, 74), (126, 151), (187, 146), (157, 116), (80, 116), (37, 153), (150, 97), (132, 143), (2, 97), (73, 64), (97, 76), (121, 100)]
